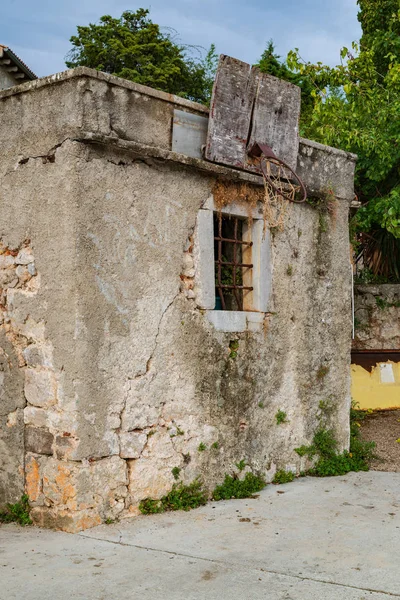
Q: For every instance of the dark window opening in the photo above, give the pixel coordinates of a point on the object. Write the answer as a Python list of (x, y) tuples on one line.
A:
[(232, 272)]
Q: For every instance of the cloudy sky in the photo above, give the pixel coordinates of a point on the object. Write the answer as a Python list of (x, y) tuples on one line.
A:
[(39, 30)]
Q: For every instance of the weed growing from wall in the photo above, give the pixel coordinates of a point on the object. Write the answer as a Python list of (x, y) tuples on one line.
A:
[(175, 472), (233, 487), (326, 204), (323, 223), (382, 303), (241, 465), (283, 476), (281, 417), (181, 497), (322, 372), (360, 326), (17, 513), (233, 347), (330, 462)]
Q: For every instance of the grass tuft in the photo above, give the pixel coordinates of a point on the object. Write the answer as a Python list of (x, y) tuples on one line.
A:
[(283, 476), (232, 487), (181, 497), (325, 446), (281, 417), (17, 513)]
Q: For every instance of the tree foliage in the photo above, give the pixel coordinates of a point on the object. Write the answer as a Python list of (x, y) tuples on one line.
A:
[(133, 47), (357, 108), (381, 32)]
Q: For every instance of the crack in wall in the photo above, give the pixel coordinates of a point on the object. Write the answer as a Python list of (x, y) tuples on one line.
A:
[(49, 156), (148, 362)]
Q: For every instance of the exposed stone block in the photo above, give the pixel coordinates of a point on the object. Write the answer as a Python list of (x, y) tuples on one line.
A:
[(29, 328), (37, 356), (149, 479), (132, 444), (37, 417), (6, 260), (40, 387), (137, 416), (59, 484), (160, 445), (14, 418), (99, 487), (24, 257), (65, 520), (38, 441), (65, 446), (63, 420), (22, 273), (33, 477), (187, 265), (7, 278)]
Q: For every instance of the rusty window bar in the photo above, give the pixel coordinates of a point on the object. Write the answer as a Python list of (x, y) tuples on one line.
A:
[(235, 264), (232, 241), (235, 291)]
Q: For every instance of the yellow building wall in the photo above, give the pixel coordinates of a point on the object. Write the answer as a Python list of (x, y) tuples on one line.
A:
[(378, 389)]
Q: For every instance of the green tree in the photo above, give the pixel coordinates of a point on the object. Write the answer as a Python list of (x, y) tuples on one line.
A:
[(357, 108), (380, 31), (133, 47)]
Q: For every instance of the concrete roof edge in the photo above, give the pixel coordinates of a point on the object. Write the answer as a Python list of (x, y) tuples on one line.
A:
[(169, 155), (145, 90), (328, 149), (112, 79), (205, 166)]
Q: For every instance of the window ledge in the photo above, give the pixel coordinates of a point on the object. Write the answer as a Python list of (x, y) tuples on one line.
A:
[(235, 321)]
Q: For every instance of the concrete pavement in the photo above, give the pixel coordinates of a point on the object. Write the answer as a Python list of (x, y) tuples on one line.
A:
[(313, 539)]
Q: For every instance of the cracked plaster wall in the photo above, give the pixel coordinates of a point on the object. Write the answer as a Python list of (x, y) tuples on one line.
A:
[(120, 376)]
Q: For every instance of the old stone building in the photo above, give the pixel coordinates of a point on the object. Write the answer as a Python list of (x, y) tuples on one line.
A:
[(116, 362), (13, 70)]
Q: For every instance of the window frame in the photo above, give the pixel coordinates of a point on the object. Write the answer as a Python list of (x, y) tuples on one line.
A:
[(257, 302)]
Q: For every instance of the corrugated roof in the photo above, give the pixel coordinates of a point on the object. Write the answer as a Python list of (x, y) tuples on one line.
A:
[(12, 63)]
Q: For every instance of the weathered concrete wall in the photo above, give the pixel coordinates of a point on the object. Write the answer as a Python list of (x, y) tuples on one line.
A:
[(124, 376), (83, 100), (326, 169), (377, 313), (12, 402)]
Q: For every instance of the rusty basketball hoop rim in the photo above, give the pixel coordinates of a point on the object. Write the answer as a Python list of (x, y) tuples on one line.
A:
[(265, 154)]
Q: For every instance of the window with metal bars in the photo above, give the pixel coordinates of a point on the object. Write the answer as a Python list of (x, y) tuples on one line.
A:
[(233, 264)]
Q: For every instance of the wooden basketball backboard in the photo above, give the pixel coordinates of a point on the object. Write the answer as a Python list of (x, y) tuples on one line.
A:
[(248, 106)]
